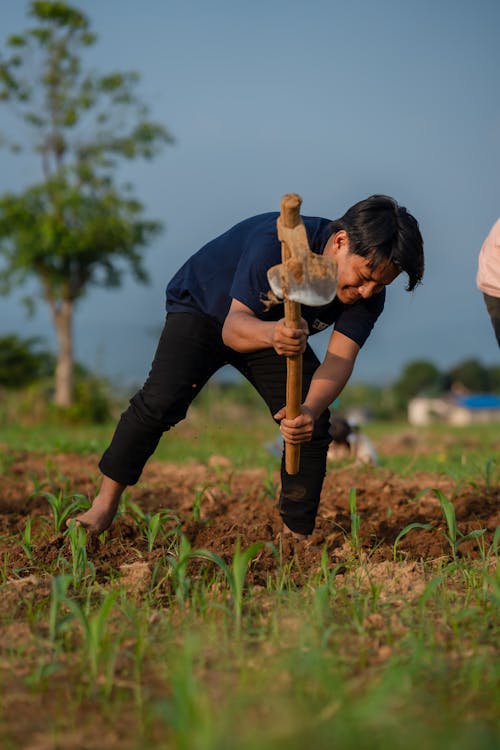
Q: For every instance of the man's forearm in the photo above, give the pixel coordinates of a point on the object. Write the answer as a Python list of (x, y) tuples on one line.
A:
[(245, 333), (327, 383)]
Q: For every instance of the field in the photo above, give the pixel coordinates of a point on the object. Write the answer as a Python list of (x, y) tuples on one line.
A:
[(193, 624)]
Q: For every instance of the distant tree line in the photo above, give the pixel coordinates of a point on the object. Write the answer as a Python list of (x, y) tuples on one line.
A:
[(25, 361)]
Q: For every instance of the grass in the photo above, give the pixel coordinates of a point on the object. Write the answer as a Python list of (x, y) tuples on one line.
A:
[(458, 452), (329, 663), (241, 433), (197, 657)]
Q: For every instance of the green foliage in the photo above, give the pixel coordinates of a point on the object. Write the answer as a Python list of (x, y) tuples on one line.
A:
[(26, 543), (33, 405), (63, 506), (377, 400), (417, 377), (81, 567), (92, 402), (471, 374), (235, 574), (76, 228), (453, 535), (355, 520), (22, 362), (152, 525)]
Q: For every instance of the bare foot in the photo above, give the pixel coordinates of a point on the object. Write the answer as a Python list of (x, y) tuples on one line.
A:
[(294, 535), (100, 516)]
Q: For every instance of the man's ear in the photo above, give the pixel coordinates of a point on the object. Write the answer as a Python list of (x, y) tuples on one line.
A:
[(338, 243)]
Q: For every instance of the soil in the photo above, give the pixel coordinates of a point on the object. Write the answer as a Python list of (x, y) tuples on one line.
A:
[(241, 504)]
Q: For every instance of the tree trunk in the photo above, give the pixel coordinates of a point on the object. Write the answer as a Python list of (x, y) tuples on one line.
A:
[(63, 321)]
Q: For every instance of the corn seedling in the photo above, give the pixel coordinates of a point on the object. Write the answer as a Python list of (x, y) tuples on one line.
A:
[(404, 532), (57, 623), (355, 520), (63, 506), (179, 569), (77, 537), (270, 486), (38, 485), (151, 528), (95, 629), (196, 510), (454, 536), (26, 542), (488, 472), (487, 475), (150, 525), (495, 544), (236, 574), (223, 482)]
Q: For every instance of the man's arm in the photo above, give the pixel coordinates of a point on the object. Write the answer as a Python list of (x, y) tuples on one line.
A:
[(327, 383), (244, 332)]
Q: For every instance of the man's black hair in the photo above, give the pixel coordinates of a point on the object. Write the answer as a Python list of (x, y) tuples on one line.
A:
[(380, 229)]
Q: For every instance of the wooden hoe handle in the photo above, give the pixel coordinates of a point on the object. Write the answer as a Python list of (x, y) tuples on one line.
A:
[(290, 218)]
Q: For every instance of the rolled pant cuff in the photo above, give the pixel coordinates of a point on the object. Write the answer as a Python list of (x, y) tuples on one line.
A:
[(121, 476), (299, 525)]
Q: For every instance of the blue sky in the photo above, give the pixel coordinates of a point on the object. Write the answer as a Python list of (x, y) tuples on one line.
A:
[(332, 100)]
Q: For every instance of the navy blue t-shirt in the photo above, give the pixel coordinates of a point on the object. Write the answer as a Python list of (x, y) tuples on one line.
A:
[(235, 265)]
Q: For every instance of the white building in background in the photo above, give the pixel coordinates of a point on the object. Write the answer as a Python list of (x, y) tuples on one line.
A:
[(454, 410)]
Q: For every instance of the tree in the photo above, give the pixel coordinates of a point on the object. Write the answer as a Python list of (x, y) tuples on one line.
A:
[(472, 375), (22, 361), (494, 378), (76, 228), (419, 376)]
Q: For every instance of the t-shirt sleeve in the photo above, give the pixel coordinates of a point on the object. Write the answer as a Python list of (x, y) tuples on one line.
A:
[(250, 284), (357, 321)]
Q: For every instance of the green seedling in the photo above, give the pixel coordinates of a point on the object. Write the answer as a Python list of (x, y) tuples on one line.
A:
[(355, 520), (454, 536), (95, 629), (38, 486), (495, 545), (236, 574), (488, 472), (222, 482), (152, 528), (26, 541), (80, 564), (270, 486), (196, 510), (59, 590), (404, 532), (151, 525), (179, 569), (63, 506)]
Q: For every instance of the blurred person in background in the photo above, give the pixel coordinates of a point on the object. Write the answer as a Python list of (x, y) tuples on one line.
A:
[(488, 276)]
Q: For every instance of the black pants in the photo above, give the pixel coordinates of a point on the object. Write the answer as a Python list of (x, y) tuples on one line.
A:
[(493, 307), (189, 352)]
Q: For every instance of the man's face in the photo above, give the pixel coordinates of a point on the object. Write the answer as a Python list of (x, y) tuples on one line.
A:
[(356, 280)]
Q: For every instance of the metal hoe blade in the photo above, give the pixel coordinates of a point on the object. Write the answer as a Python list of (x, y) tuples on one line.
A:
[(310, 280)]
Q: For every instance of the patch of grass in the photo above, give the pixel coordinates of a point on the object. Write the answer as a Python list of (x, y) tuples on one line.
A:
[(345, 659), (198, 655)]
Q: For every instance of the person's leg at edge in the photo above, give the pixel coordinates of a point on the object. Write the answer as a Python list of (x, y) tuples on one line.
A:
[(190, 350), (493, 307), (300, 493)]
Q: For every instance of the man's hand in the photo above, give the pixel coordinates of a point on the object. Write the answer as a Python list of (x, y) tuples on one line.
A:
[(289, 342), (298, 430)]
